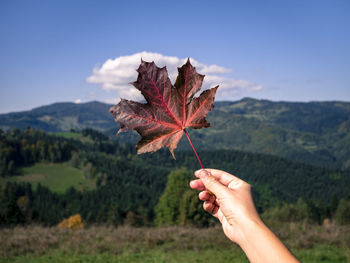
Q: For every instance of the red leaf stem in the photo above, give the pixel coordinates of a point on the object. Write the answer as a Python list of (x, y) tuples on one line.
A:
[(188, 137)]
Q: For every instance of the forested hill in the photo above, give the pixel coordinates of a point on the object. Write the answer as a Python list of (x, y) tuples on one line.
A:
[(126, 182), (61, 117), (314, 132)]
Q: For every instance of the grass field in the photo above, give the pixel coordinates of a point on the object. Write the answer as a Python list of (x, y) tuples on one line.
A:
[(315, 255), (166, 244), (74, 135), (57, 176), (151, 256)]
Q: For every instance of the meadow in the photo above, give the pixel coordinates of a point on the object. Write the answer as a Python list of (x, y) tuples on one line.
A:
[(310, 243), (127, 190), (58, 177)]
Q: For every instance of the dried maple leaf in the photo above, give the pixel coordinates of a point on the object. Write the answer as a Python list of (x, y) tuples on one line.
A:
[(168, 111)]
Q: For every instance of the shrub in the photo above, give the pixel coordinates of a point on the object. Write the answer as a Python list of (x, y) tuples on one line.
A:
[(73, 222), (288, 212)]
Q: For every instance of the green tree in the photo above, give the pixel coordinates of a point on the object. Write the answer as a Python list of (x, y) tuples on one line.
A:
[(75, 160), (191, 210), (3, 204), (342, 215), (87, 170), (168, 207)]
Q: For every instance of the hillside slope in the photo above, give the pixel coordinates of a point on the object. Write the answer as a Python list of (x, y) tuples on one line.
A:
[(314, 132), (61, 117)]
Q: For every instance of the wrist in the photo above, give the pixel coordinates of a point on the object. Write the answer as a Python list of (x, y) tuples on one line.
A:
[(249, 229), (260, 244)]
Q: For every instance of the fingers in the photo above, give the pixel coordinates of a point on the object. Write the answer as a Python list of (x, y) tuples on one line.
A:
[(211, 208), (216, 185), (210, 205), (206, 196), (211, 184), (197, 185), (223, 177)]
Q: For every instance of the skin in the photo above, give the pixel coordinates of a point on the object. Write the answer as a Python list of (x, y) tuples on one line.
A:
[(229, 199)]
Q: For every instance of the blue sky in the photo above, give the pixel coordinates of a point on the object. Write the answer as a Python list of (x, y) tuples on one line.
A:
[(54, 51)]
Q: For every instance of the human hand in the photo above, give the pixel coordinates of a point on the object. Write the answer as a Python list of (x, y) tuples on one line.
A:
[(231, 201)]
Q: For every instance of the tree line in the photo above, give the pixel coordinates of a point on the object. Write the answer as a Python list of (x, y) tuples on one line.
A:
[(153, 188)]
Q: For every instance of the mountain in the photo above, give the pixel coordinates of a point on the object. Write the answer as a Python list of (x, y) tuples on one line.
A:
[(313, 132), (59, 117)]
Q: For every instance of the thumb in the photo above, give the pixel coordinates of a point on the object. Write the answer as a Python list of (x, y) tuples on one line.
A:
[(211, 184)]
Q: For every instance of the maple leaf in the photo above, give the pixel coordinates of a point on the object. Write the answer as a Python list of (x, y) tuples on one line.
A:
[(169, 110)]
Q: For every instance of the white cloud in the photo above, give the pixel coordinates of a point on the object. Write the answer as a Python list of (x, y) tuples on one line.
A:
[(116, 74), (255, 88), (78, 101)]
